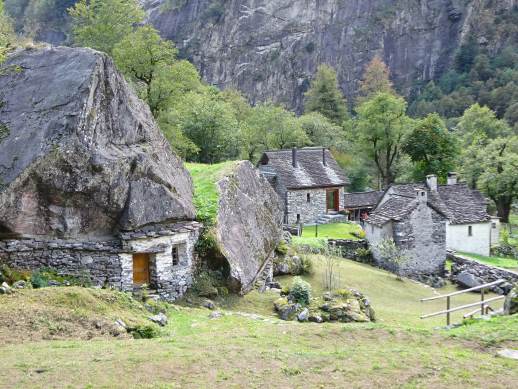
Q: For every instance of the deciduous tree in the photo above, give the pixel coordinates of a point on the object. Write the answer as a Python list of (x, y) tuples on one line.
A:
[(376, 79)]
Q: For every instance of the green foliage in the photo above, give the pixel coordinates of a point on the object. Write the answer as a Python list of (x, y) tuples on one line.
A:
[(206, 195), (6, 40), (431, 147), (380, 129), (145, 331), (102, 24), (465, 57), (480, 124), (282, 248), (12, 275), (40, 278), (321, 131), (390, 252), (324, 96), (300, 291), (493, 169)]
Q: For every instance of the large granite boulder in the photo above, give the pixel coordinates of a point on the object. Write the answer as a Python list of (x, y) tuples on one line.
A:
[(80, 153), (248, 224)]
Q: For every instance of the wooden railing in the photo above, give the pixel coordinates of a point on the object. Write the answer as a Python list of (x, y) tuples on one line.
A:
[(482, 303)]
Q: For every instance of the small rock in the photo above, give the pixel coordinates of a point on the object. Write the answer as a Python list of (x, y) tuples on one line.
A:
[(468, 280), (215, 315), (208, 304), (315, 319), (327, 296), (209, 292), (303, 315), (5, 288), (53, 283), (160, 319), (511, 302), (20, 284), (274, 285), (508, 353), (121, 324), (98, 324), (275, 290)]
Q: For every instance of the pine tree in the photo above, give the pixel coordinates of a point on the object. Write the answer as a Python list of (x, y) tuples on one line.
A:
[(325, 97)]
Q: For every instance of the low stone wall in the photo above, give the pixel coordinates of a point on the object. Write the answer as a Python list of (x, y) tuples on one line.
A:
[(350, 249), (99, 261), (469, 273)]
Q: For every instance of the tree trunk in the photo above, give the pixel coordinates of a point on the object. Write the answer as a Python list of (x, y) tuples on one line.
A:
[(503, 207)]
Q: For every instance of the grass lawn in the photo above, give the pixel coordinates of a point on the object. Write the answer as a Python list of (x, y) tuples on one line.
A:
[(205, 178), (505, 263), (332, 231), (243, 350)]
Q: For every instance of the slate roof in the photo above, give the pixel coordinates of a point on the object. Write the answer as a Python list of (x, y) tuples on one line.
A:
[(459, 203), (362, 199), (395, 208), (310, 171)]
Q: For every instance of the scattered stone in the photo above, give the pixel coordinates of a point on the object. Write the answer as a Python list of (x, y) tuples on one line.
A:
[(97, 324), (121, 324), (208, 304), (511, 302), (215, 315), (286, 309), (304, 315), (5, 288), (20, 284), (315, 318), (210, 292), (275, 285), (508, 353), (53, 283), (160, 319), (468, 280)]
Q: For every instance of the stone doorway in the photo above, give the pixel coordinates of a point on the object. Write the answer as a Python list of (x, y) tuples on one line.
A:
[(333, 200)]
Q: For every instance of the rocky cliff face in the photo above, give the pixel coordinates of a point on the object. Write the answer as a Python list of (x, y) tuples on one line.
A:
[(80, 154), (249, 223), (270, 49)]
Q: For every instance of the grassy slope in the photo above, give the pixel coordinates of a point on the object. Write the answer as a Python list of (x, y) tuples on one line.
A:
[(205, 190), (506, 263), (333, 230), (239, 351)]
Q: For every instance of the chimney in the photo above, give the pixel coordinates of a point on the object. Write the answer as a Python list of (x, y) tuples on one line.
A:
[(324, 156), (452, 178), (422, 195), (431, 182), (294, 156)]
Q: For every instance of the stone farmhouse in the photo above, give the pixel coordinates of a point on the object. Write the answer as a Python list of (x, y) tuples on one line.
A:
[(468, 226), (360, 204), (417, 224), (309, 182)]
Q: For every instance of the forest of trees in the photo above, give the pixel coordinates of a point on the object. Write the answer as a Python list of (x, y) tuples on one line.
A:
[(466, 122)]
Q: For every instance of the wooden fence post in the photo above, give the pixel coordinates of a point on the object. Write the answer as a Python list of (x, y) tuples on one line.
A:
[(448, 307)]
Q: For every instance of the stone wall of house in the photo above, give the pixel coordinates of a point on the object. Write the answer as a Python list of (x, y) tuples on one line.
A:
[(459, 239), (170, 280), (110, 263), (99, 261), (309, 211), (469, 273), (422, 236)]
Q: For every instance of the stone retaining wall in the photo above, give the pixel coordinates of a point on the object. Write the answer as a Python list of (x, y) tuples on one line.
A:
[(470, 273), (349, 249)]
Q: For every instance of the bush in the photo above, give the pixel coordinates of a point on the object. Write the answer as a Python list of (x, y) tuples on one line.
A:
[(306, 264), (11, 276), (360, 234), (145, 331), (363, 254), (40, 278), (282, 248), (300, 291)]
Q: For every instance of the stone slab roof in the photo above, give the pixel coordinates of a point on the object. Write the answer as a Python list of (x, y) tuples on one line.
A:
[(310, 172), (363, 199), (459, 203), (395, 208)]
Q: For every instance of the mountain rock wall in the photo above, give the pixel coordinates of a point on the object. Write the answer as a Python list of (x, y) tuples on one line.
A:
[(270, 49)]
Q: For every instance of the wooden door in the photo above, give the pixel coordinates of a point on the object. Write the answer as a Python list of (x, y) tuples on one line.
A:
[(140, 269), (333, 201)]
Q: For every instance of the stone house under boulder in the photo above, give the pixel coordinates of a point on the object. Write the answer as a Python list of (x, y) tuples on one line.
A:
[(89, 186), (309, 183), (417, 225)]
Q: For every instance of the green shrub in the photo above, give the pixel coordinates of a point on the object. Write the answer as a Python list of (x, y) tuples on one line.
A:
[(11, 275), (360, 234), (300, 291), (306, 264), (282, 248), (363, 254), (145, 331)]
